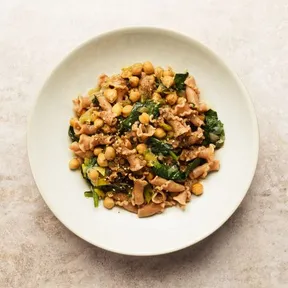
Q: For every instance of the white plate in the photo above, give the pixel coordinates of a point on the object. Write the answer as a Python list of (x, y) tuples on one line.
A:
[(118, 230)]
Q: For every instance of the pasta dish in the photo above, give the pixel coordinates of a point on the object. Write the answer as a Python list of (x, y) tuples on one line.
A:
[(143, 139)]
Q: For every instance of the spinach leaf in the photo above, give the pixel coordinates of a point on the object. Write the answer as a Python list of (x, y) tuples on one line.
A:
[(119, 187), (168, 172), (149, 107), (192, 165), (213, 130), (72, 135), (179, 80), (158, 147), (152, 108), (126, 124)]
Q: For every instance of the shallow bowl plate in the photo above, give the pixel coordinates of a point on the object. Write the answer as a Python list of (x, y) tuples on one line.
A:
[(118, 230)]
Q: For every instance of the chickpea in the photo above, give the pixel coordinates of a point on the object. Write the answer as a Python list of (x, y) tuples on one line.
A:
[(98, 123), (168, 81), (141, 148), (156, 97), (127, 110), (159, 133), (106, 128), (126, 73), (197, 189), (97, 151), (171, 99), (158, 72), (144, 118), (117, 109), (168, 72), (101, 160), (110, 153), (110, 95), (74, 164), (108, 203), (148, 68), (93, 174), (73, 121), (150, 176), (134, 95), (134, 81), (137, 69)]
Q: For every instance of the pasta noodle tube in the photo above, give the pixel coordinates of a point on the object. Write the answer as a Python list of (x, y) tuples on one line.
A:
[(158, 197), (170, 185), (150, 209), (138, 191)]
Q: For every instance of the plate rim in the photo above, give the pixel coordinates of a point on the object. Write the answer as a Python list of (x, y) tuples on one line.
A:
[(234, 75)]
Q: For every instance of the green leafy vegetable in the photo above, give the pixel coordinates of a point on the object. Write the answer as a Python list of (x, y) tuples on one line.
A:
[(179, 80), (149, 107), (168, 172), (158, 147), (72, 135), (152, 108), (119, 187), (192, 165), (213, 130), (132, 118)]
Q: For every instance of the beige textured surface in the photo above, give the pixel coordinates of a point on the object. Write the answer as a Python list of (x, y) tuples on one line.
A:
[(250, 250)]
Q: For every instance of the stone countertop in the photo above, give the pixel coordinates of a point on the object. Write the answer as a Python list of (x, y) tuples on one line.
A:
[(250, 250)]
